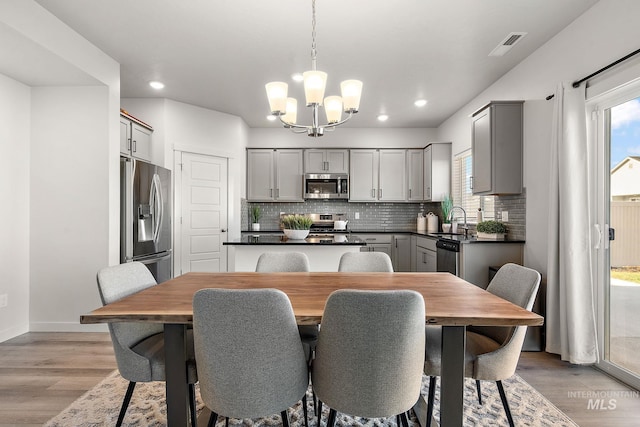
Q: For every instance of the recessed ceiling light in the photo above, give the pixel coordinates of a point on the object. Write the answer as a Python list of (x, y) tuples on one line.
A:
[(297, 77), (156, 85), (271, 117), (382, 118), (420, 103)]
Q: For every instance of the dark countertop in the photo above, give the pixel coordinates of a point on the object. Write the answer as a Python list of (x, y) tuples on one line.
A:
[(278, 238), (272, 237)]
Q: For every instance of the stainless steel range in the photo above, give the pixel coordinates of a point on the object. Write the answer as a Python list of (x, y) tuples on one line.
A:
[(324, 224)]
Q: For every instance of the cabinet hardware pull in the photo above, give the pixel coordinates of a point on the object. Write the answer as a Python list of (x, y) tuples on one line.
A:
[(380, 193), (271, 192), (409, 193), (128, 143), (471, 182), (373, 193), (134, 146)]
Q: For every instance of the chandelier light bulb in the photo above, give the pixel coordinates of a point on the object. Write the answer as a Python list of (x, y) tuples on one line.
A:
[(277, 94), (333, 108), (351, 93), (291, 111), (314, 85)]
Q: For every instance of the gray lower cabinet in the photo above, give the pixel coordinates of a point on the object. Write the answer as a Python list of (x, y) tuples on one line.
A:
[(477, 257), (426, 256), (377, 243), (401, 252)]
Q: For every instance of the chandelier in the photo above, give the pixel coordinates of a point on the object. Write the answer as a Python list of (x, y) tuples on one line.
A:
[(285, 109)]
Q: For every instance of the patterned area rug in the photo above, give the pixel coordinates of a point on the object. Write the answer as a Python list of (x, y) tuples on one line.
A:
[(100, 406)]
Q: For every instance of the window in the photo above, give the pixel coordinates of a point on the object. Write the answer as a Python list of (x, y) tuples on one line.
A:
[(462, 195)]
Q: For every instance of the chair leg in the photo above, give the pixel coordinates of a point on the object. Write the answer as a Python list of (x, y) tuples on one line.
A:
[(125, 403), (304, 410), (479, 392), (331, 421), (405, 420), (213, 419), (285, 418), (398, 420), (319, 412), (430, 398), (192, 405), (503, 397)]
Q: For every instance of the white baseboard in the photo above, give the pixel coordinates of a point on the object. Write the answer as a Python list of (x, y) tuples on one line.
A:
[(7, 334), (66, 327)]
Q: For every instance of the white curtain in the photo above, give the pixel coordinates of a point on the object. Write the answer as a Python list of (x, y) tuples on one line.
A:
[(570, 318)]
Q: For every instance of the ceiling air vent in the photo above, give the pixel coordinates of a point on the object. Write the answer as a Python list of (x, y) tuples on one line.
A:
[(507, 43)]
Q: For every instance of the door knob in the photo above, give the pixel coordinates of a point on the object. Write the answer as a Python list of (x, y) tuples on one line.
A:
[(223, 230)]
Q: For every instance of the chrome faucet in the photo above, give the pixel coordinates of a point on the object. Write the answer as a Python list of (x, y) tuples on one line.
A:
[(464, 227)]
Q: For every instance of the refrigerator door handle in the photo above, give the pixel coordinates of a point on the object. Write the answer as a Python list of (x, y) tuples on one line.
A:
[(157, 205), (129, 171)]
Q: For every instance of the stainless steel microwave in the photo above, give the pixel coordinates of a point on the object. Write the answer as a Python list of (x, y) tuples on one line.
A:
[(326, 186)]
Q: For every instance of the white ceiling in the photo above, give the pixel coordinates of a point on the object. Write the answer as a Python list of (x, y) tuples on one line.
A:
[(219, 54)]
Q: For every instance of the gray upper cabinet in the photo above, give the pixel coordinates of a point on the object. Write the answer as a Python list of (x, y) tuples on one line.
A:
[(363, 175), (274, 175), (392, 185), (326, 161), (497, 148), (378, 175), (415, 182), (135, 138), (437, 171)]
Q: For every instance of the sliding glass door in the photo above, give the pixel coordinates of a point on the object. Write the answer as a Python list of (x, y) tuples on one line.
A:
[(617, 118)]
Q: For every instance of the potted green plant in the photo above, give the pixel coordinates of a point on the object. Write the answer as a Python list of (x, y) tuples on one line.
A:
[(256, 213), (296, 226), (446, 205), (494, 230)]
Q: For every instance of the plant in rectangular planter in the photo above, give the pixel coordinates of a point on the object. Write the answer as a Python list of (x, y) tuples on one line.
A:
[(494, 230)]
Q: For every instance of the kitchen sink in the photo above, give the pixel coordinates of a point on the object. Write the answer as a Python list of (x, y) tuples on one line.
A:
[(442, 233)]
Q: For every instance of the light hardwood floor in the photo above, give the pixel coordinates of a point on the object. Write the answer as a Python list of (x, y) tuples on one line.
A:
[(42, 373)]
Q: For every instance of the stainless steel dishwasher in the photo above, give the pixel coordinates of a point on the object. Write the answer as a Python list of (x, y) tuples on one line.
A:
[(448, 256)]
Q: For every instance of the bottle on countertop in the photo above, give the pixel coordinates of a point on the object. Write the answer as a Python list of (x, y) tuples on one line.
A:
[(479, 214)]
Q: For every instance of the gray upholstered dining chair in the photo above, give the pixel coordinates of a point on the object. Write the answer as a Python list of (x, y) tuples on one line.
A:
[(370, 353), (366, 262), (492, 352), (250, 358), (282, 262), (139, 347), (270, 262)]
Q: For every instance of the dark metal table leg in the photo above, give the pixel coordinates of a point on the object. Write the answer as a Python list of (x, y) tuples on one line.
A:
[(175, 347), (452, 379)]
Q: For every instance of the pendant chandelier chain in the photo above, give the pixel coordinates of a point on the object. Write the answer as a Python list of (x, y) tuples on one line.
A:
[(314, 52), (285, 109)]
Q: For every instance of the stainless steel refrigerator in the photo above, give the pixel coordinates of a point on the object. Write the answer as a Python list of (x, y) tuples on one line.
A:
[(145, 216)]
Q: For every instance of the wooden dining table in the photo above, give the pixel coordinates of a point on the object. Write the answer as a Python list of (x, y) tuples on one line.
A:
[(450, 302)]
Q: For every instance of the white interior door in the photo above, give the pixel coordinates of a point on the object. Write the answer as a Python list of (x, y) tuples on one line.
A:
[(203, 222)]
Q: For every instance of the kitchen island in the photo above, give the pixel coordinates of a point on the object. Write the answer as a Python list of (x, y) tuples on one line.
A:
[(323, 251)]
